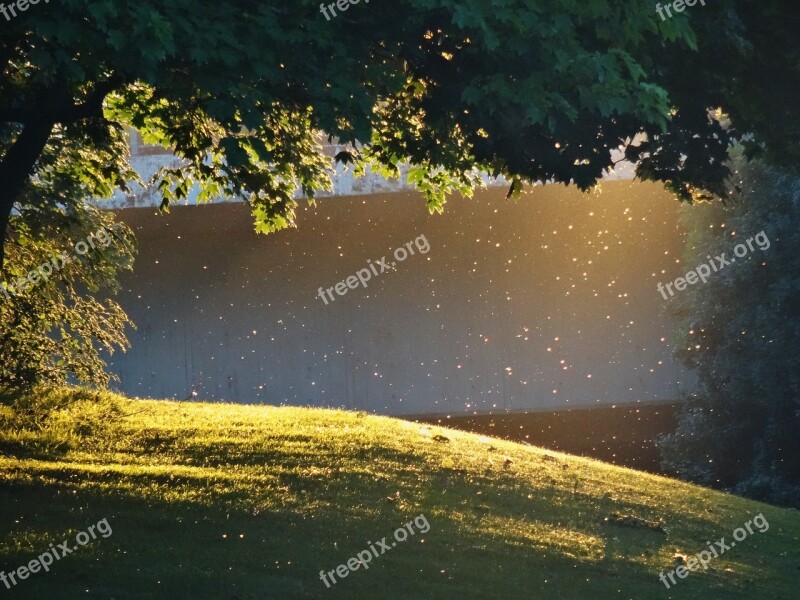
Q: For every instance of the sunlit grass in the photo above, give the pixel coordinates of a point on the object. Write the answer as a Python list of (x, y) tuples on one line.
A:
[(229, 501)]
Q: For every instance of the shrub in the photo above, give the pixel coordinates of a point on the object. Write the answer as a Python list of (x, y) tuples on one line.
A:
[(740, 429), (53, 331)]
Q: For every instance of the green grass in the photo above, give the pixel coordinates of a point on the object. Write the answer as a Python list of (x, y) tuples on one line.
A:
[(239, 502)]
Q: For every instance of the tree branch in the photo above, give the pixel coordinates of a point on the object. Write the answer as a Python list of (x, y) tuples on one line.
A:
[(15, 169), (56, 106)]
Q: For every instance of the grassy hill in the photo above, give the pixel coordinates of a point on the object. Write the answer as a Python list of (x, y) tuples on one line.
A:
[(236, 502)]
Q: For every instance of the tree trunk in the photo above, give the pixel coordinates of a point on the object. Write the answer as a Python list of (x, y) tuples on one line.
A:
[(16, 167)]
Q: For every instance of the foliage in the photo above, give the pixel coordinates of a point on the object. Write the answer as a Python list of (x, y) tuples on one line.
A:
[(741, 427), (54, 331), (534, 90), (540, 90)]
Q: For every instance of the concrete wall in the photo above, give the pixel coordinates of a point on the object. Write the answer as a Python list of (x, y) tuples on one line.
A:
[(541, 303)]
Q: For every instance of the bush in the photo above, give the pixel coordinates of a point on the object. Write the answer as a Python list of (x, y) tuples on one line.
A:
[(53, 331), (740, 429)]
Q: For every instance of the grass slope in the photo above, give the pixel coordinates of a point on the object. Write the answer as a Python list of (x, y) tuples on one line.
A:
[(236, 502)]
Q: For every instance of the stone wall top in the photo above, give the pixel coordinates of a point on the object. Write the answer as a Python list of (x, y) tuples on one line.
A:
[(147, 160)]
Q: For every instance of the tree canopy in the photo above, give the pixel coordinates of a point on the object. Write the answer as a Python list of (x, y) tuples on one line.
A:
[(533, 90)]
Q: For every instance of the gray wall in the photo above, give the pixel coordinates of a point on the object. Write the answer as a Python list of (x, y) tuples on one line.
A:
[(481, 323)]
